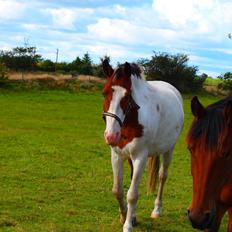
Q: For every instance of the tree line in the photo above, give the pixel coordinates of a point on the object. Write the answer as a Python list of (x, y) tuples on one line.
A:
[(161, 66), (26, 59)]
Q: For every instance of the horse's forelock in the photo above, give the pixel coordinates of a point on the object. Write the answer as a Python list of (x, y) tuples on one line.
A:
[(135, 71)]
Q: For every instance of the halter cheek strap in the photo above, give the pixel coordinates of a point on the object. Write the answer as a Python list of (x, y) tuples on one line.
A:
[(131, 104)]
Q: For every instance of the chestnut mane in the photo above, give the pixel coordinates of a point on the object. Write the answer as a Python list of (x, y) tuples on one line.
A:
[(210, 128)]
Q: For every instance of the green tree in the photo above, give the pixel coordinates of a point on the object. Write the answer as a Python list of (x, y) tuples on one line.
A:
[(226, 81), (105, 57), (86, 66), (82, 65), (75, 64), (20, 58), (173, 69), (62, 67), (46, 66)]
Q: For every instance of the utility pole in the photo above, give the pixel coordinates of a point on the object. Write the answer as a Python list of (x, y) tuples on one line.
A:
[(57, 56)]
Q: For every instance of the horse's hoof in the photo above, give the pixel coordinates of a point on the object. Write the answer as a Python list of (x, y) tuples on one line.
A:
[(155, 215), (134, 221)]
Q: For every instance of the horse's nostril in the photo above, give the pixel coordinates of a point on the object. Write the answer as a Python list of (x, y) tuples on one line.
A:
[(209, 218)]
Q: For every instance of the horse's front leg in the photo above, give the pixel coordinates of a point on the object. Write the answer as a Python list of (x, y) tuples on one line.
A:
[(139, 163), (117, 166)]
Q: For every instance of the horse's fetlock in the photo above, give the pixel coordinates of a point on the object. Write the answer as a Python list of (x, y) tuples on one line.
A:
[(158, 203)]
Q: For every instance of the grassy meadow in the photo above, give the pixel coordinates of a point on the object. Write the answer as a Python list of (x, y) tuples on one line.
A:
[(55, 170)]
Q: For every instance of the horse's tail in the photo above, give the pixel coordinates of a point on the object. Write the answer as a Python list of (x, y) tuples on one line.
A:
[(152, 173)]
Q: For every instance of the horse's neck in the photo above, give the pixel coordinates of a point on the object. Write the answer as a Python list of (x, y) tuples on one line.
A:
[(139, 87)]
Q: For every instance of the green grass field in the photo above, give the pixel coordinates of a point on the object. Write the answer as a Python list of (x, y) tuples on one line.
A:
[(212, 81), (55, 170)]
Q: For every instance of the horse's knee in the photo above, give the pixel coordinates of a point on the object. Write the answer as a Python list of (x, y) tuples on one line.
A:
[(132, 197), (117, 193)]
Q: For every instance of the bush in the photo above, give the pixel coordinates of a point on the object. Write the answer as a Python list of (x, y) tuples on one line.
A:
[(173, 69), (3, 75), (46, 66), (226, 81), (20, 58)]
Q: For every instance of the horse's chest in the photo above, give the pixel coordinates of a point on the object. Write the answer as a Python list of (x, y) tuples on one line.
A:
[(130, 133)]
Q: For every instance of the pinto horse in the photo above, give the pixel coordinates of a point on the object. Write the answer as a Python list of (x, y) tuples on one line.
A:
[(210, 143), (143, 119)]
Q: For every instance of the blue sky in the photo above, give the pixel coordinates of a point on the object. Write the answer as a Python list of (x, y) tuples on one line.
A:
[(125, 30)]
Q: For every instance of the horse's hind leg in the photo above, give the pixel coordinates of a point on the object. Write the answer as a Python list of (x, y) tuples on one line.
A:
[(117, 166), (163, 174)]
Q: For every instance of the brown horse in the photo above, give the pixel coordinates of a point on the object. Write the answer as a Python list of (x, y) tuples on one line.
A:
[(210, 143)]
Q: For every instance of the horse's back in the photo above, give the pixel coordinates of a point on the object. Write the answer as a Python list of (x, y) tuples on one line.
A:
[(165, 87), (169, 97)]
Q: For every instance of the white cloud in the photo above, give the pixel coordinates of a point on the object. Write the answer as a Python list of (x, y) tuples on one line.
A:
[(210, 18), (65, 18), (32, 26), (221, 50), (112, 29), (11, 9), (5, 47), (226, 10), (181, 12), (126, 32)]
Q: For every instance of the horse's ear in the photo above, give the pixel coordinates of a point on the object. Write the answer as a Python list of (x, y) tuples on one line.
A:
[(197, 108), (107, 69), (228, 112), (127, 69)]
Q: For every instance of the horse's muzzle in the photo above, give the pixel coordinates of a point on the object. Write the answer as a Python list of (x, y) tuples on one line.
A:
[(112, 139), (202, 222)]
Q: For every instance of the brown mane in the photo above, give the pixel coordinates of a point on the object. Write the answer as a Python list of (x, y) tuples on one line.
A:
[(209, 129)]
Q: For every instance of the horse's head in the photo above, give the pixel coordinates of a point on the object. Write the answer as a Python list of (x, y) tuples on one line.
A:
[(118, 101), (209, 141)]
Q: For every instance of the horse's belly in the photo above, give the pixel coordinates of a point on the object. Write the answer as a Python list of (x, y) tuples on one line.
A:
[(164, 139)]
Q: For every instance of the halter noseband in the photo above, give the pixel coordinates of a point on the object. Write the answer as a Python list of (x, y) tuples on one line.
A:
[(131, 105)]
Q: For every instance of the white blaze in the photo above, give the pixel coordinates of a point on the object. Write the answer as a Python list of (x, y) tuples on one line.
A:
[(112, 125)]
